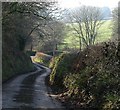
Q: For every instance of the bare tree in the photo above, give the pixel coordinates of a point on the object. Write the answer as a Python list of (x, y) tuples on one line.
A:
[(25, 18), (54, 34), (86, 21)]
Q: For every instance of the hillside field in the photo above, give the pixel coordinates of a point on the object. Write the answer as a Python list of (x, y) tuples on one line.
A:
[(104, 34)]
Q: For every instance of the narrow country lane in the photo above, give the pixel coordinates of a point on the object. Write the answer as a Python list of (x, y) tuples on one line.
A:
[(29, 91)]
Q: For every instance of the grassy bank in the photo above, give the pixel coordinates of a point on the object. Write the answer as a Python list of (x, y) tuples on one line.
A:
[(15, 64), (42, 58), (89, 79), (14, 59)]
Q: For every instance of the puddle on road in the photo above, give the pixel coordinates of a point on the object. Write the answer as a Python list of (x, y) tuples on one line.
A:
[(26, 93)]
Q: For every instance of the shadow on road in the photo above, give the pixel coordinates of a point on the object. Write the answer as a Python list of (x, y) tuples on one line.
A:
[(26, 92)]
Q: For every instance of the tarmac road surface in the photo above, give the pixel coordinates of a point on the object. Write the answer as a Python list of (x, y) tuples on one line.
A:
[(29, 91)]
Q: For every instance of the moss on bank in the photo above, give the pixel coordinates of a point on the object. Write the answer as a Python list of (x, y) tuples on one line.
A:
[(15, 64)]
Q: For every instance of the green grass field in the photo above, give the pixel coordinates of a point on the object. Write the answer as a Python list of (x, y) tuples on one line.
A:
[(104, 34)]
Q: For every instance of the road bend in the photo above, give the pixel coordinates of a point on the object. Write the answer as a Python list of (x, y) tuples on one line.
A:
[(29, 91)]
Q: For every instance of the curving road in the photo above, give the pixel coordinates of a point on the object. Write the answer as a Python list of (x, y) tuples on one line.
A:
[(29, 91)]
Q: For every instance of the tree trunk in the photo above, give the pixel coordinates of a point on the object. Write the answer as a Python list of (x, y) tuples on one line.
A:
[(80, 43), (31, 47), (54, 48)]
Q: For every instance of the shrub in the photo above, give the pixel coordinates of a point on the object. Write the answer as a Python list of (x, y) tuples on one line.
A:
[(91, 77)]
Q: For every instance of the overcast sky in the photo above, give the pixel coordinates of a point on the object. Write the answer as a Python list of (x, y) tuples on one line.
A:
[(100, 3)]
